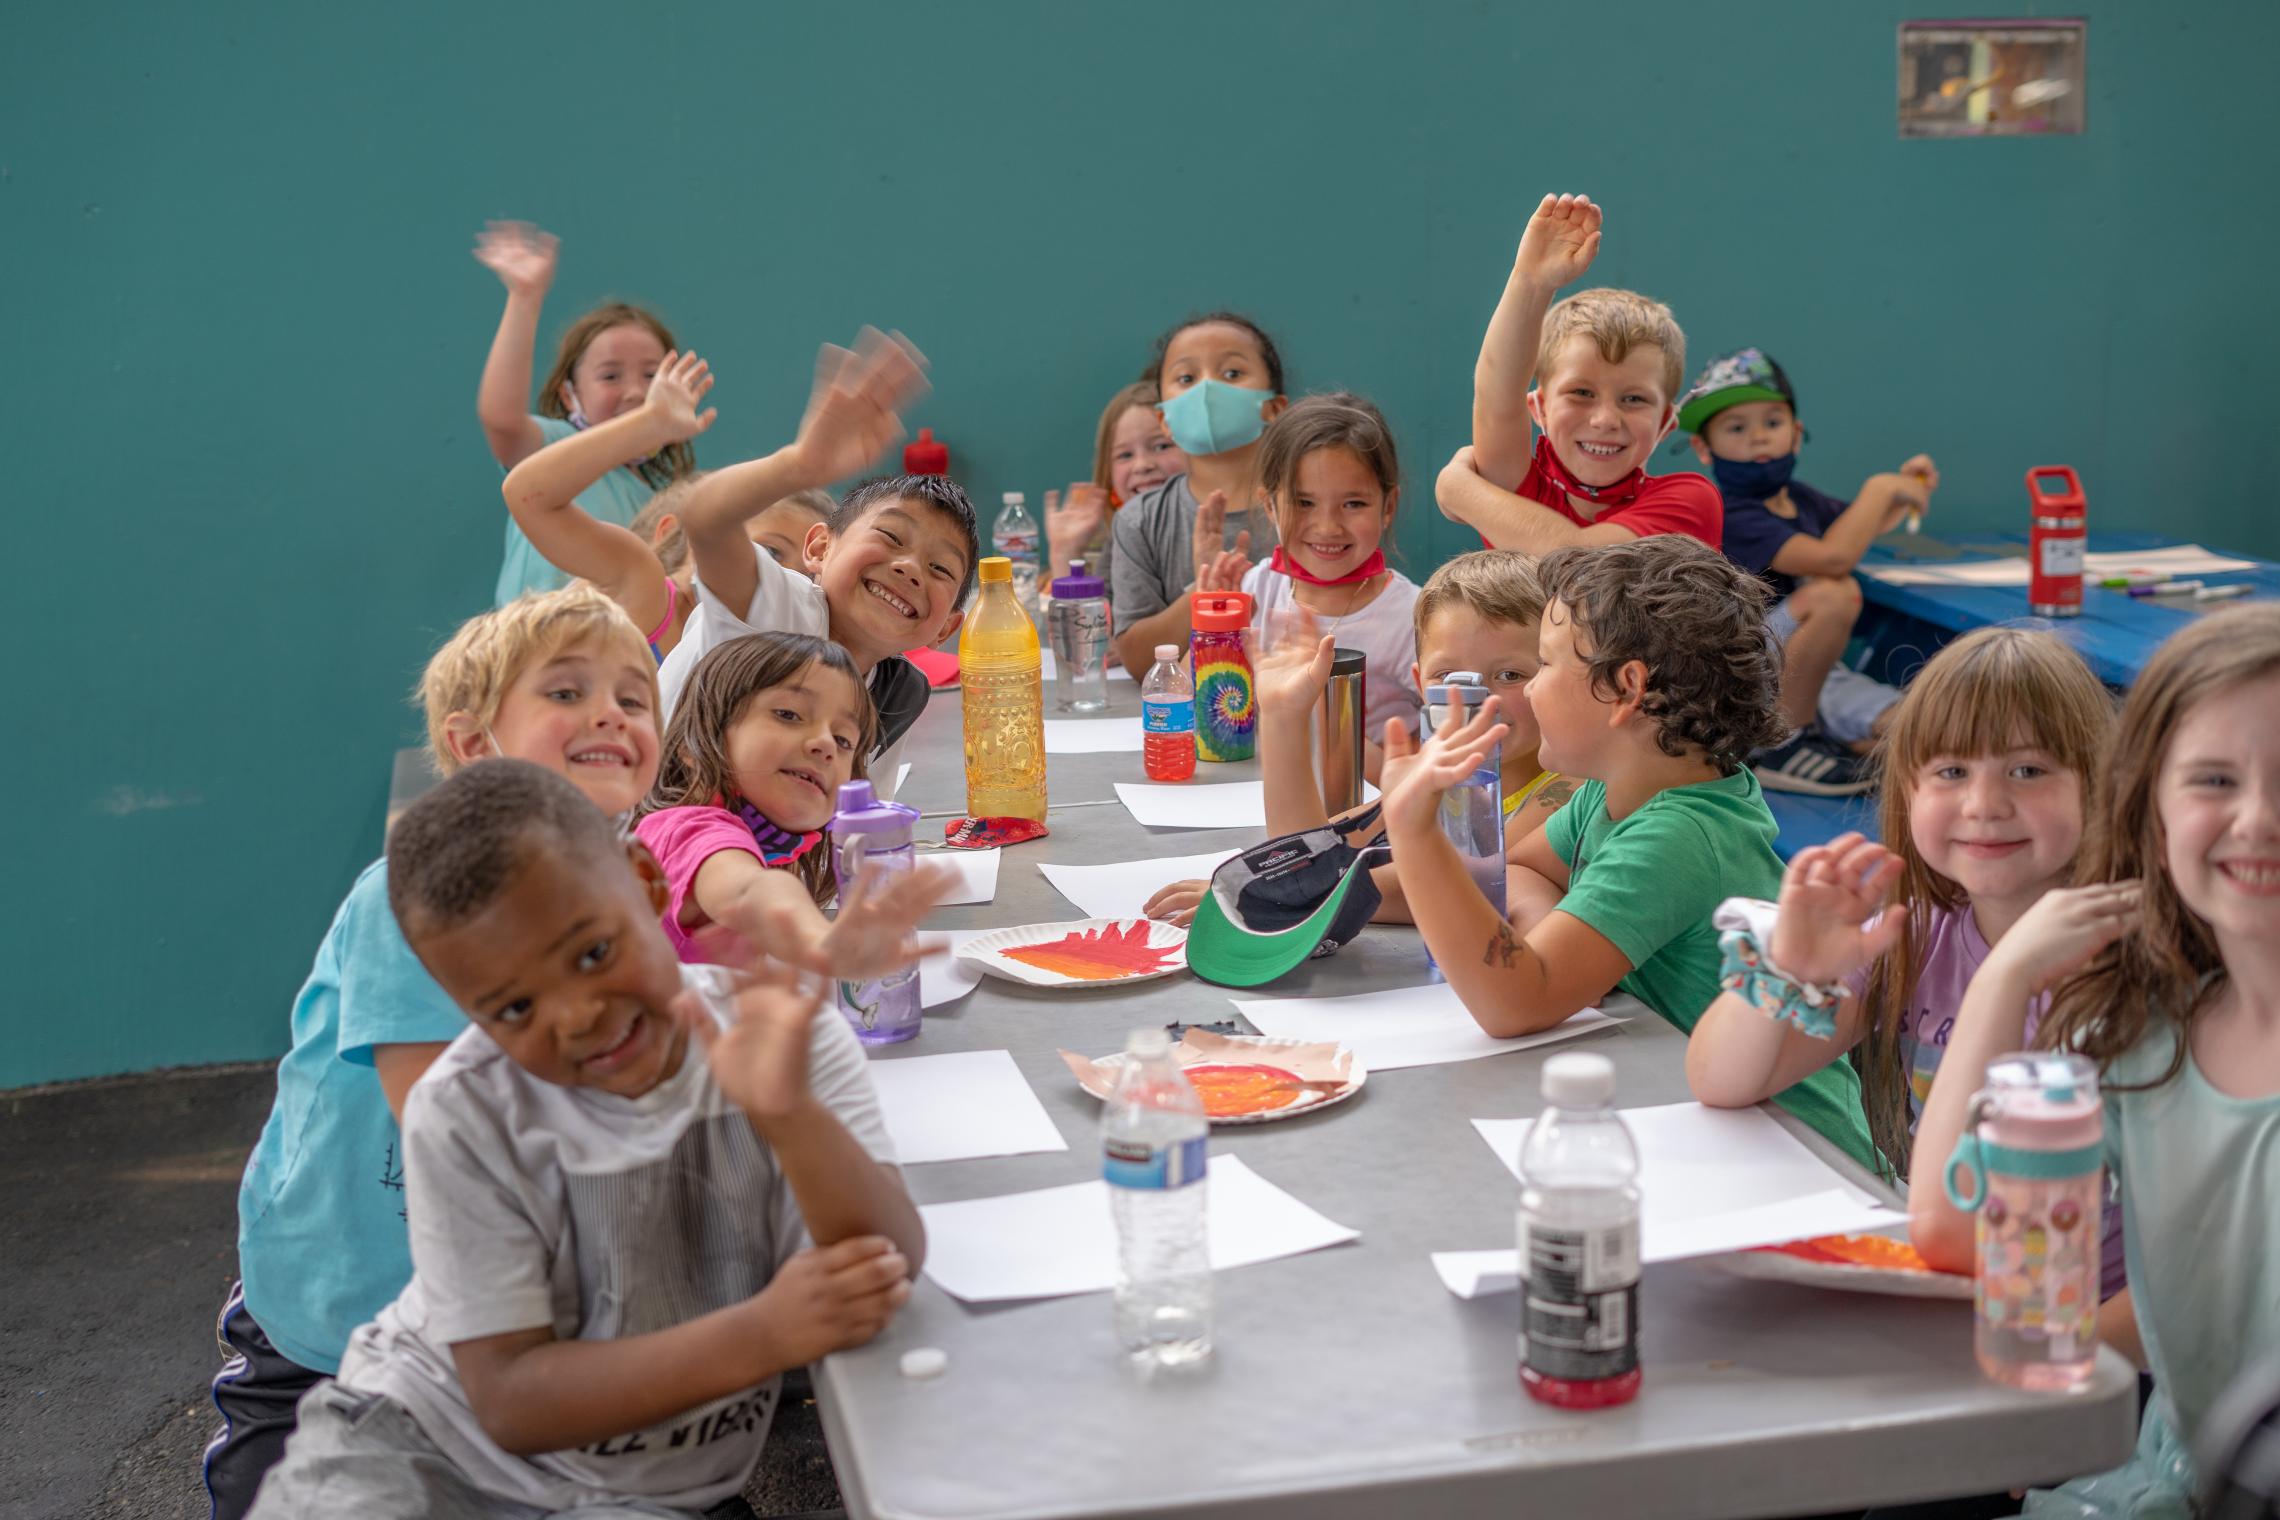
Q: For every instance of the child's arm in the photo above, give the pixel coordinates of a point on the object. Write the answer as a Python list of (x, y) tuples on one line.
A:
[(542, 491), (770, 907), (2061, 932), (1215, 568), (1558, 245), (1508, 520), (1882, 502), (523, 258), (1071, 520), (851, 420), (1736, 1054), (1289, 682), (1510, 983)]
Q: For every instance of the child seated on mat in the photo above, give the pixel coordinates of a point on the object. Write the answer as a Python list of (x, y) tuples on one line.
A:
[(1478, 613), (1607, 365), (1656, 685), (614, 1176), (1743, 418), (769, 727), (892, 567), (560, 678)]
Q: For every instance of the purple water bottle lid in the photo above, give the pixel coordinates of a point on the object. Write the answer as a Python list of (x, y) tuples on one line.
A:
[(861, 811), (1076, 586)]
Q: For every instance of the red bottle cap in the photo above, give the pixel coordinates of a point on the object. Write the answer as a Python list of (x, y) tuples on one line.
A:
[(924, 456), (1220, 611)]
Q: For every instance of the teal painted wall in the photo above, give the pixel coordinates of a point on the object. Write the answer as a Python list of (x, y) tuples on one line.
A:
[(242, 330)]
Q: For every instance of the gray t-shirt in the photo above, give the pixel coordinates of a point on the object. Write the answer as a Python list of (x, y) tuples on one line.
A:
[(601, 1217), (1155, 548)]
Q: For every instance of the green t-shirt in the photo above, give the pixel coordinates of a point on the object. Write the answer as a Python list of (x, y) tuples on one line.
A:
[(1650, 882)]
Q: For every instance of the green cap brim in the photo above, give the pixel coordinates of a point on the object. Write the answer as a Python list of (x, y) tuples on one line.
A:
[(1702, 408), (1222, 951)]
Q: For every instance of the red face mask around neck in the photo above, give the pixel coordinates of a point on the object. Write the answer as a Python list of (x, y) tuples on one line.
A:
[(1620, 493), (1289, 566)]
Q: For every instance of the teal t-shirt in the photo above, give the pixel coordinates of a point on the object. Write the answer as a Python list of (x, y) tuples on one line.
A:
[(615, 498), (1649, 883), (322, 1243), (2200, 1170)]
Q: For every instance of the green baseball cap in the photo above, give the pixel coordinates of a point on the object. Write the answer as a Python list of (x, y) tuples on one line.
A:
[(1284, 902), (1729, 380)]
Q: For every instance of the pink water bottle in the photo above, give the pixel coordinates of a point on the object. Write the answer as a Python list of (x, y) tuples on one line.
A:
[(2033, 1154)]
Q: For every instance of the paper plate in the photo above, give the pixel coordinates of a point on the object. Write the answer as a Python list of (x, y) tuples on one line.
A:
[(1249, 1053), (1848, 1263), (1085, 952)]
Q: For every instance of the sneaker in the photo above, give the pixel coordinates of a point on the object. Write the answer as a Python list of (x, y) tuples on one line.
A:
[(1814, 765)]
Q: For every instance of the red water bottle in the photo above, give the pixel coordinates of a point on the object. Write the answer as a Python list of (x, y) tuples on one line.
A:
[(2054, 541), (924, 455)]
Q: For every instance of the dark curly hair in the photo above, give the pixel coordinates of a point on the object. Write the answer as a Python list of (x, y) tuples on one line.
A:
[(1695, 620)]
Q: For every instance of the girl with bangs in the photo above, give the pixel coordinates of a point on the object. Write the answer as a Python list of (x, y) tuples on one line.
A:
[(1985, 768), (2163, 969)]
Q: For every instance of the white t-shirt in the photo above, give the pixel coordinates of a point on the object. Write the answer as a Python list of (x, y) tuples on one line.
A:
[(785, 601), (1385, 632), (603, 1217)]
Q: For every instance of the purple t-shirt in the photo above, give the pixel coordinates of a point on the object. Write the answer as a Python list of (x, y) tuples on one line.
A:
[(1953, 951)]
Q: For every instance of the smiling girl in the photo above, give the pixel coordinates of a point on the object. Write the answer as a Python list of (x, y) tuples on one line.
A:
[(769, 727)]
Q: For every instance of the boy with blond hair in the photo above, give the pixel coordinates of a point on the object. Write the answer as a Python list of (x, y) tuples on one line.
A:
[(1607, 366), (1657, 684), (562, 679)]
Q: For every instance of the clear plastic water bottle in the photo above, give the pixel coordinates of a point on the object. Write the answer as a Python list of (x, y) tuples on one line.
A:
[(872, 839), (1014, 535), (1579, 1242), (1078, 623), (1167, 717), (1153, 1135), (1004, 702), (2033, 1152), (1472, 811)]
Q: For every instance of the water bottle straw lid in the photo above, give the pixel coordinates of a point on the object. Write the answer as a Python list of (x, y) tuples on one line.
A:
[(861, 812)]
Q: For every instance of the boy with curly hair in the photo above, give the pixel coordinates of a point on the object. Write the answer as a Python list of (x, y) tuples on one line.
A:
[(1657, 685)]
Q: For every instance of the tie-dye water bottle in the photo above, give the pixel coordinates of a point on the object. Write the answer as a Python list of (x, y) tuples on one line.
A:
[(2033, 1152), (1226, 709)]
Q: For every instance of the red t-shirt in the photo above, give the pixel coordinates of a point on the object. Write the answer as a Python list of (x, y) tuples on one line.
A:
[(1683, 503)]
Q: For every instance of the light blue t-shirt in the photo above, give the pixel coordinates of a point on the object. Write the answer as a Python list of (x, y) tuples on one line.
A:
[(2200, 1172), (322, 1243), (615, 498)]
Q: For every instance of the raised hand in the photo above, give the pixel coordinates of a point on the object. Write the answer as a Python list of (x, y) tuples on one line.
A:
[(852, 413), (1828, 895), (681, 383), (1926, 474), (1415, 777), (1291, 677), (1072, 519), (829, 1298), (1218, 568), (521, 255), (875, 931), (1561, 240), (761, 1060), (2064, 929)]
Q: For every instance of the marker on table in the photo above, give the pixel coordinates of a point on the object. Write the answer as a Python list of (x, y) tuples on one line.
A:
[(2167, 588), (2222, 593), (2133, 578)]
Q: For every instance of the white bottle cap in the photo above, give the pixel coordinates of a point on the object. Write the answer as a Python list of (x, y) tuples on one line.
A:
[(1149, 1043), (1580, 1079), (1167, 651), (1013, 498)]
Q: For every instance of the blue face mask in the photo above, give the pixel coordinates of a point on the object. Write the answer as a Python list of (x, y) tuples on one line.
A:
[(1753, 479), (1213, 417)]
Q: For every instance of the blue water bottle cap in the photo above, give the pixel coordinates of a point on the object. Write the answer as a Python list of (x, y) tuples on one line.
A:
[(1457, 686)]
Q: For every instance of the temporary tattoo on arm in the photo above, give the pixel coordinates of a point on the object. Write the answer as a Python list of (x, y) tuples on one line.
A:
[(1504, 948)]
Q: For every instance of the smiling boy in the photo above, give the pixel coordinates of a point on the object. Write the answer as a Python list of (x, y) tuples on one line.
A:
[(890, 568), (1606, 366)]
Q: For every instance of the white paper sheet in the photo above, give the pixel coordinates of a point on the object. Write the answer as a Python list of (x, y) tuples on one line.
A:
[(1710, 1179), (1214, 805), (2176, 559), (1408, 1026), (1062, 1240), (1121, 888), (959, 1106), (977, 872), (942, 977), (1983, 572), (1092, 736)]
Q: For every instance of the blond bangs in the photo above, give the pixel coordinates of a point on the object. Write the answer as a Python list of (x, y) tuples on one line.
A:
[(472, 672)]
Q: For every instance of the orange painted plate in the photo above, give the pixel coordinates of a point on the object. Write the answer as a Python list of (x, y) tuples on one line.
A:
[(1849, 1263), (1086, 952), (1248, 1093)]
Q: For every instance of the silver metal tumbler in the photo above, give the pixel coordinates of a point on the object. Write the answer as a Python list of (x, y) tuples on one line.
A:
[(1343, 703)]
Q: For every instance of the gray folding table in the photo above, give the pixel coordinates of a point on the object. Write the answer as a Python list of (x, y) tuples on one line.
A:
[(1349, 1382)]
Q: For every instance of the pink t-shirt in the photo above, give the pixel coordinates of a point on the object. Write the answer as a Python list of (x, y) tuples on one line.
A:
[(682, 839), (1954, 950)]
